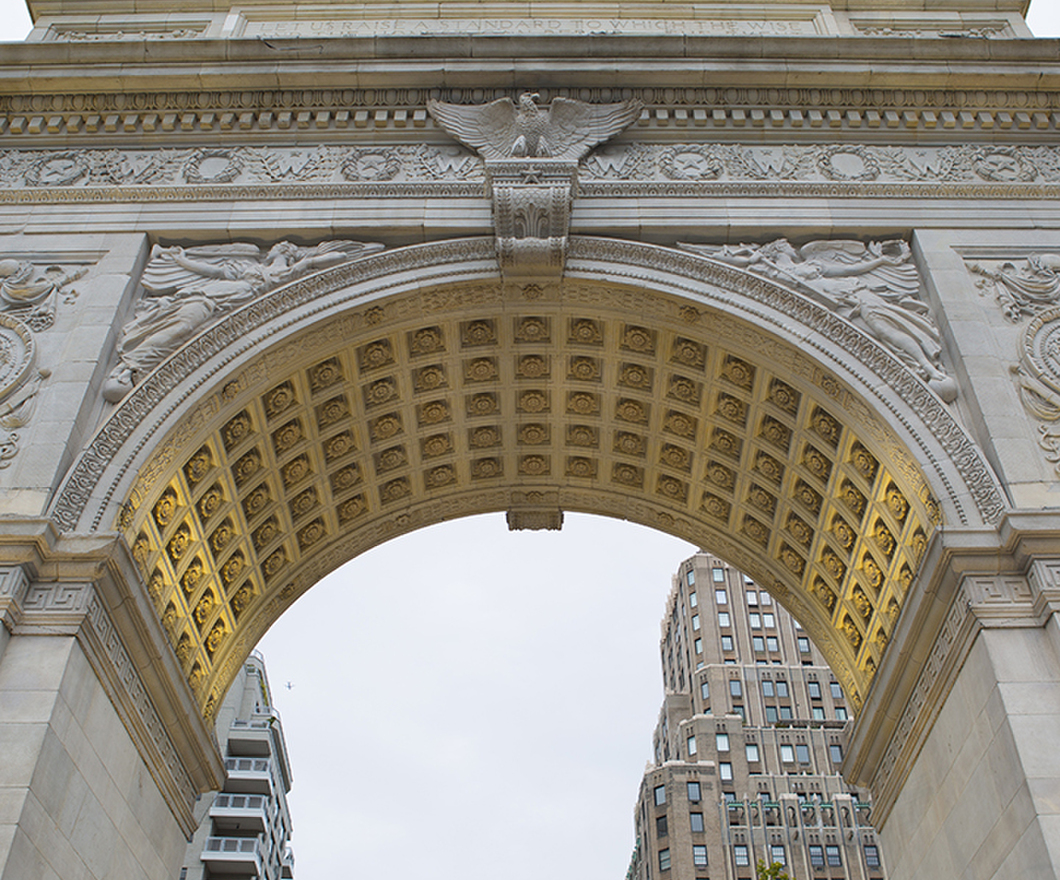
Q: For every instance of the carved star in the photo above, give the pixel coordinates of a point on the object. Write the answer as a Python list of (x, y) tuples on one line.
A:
[(531, 174)]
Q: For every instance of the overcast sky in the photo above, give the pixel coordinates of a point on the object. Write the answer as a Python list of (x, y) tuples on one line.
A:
[(472, 703)]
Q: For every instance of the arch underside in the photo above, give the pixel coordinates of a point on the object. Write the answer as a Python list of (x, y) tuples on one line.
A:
[(361, 413)]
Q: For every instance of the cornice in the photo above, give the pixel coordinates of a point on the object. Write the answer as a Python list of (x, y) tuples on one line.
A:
[(528, 61)]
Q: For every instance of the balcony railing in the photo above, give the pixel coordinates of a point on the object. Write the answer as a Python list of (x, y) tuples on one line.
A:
[(233, 855), (240, 812), (248, 776)]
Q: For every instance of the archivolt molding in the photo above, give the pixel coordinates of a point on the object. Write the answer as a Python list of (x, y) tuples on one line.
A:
[(606, 392)]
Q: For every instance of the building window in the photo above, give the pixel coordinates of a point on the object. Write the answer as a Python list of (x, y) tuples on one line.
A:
[(872, 855), (726, 643), (771, 715), (719, 575), (776, 853), (836, 751), (699, 855), (699, 646), (691, 577), (722, 741), (772, 644), (660, 795), (802, 752), (691, 746), (664, 859), (721, 597), (840, 713), (739, 710), (735, 687), (704, 690), (696, 820), (785, 713), (768, 600), (769, 620), (837, 691), (782, 688), (816, 855), (752, 753), (814, 687), (661, 829), (752, 597), (692, 600), (756, 620), (723, 618), (759, 644), (818, 713), (693, 792), (767, 688), (787, 754), (831, 853), (740, 854), (695, 623), (804, 645), (725, 771)]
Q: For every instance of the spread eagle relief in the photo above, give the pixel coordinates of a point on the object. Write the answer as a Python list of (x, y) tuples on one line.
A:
[(502, 129)]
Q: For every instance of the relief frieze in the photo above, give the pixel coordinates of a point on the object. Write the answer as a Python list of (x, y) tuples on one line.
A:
[(614, 169)]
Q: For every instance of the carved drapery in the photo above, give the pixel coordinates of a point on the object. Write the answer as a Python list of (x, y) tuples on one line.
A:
[(185, 290), (874, 286)]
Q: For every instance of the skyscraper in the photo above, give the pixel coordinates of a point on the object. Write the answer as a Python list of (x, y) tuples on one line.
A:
[(245, 829), (749, 743)]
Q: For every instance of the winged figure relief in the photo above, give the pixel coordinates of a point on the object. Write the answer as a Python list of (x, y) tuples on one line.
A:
[(186, 288), (502, 129)]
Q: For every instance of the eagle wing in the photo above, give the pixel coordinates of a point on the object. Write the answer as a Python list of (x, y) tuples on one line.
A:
[(490, 129), (575, 127)]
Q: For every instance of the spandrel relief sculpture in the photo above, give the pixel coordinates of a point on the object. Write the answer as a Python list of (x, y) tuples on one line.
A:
[(875, 286), (31, 294), (187, 288), (1023, 287), (29, 297)]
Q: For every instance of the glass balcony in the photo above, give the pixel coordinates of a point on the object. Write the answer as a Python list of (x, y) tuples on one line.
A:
[(233, 855), (240, 812), (252, 738), (248, 776)]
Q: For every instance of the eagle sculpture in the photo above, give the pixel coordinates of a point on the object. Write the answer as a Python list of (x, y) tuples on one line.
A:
[(502, 129)]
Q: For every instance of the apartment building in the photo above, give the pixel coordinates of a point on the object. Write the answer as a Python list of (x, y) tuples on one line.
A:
[(748, 746), (245, 829)]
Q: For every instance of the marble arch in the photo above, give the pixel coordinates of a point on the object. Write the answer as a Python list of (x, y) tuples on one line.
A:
[(416, 385), (533, 338)]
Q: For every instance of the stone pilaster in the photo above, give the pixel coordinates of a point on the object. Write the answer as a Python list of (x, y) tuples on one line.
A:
[(102, 738), (953, 737)]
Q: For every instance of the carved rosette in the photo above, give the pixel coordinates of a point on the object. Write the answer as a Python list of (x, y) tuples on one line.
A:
[(531, 214)]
